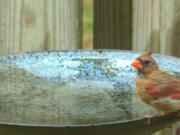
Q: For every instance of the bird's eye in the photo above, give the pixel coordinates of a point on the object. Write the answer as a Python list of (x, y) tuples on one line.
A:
[(146, 62)]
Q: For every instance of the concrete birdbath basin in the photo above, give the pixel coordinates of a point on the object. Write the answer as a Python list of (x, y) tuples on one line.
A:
[(76, 93)]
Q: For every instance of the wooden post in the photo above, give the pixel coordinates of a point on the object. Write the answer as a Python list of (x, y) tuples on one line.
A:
[(112, 24), (34, 25), (156, 27)]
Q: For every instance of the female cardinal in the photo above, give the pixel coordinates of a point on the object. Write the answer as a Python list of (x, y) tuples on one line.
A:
[(156, 88)]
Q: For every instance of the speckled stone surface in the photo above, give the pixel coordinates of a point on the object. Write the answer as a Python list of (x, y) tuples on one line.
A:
[(73, 87)]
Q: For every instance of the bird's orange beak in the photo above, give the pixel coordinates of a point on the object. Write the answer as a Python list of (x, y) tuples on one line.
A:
[(137, 64)]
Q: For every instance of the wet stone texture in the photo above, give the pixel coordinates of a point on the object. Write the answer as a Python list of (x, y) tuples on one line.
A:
[(73, 87)]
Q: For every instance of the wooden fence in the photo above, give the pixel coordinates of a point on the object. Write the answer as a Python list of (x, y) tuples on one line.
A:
[(34, 25)]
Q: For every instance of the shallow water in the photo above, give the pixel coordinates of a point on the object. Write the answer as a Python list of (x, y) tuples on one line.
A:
[(69, 90)]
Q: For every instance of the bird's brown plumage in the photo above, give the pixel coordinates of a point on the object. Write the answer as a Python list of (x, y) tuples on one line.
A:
[(156, 88)]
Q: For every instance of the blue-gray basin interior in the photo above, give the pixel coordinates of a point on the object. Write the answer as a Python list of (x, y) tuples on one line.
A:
[(73, 87)]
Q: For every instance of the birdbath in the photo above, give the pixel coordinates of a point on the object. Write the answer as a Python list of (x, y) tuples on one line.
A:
[(76, 93)]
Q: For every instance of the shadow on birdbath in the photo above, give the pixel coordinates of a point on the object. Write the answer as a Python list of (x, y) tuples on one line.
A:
[(76, 92)]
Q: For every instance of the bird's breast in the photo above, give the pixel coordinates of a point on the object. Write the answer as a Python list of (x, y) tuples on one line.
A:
[(140, 88)]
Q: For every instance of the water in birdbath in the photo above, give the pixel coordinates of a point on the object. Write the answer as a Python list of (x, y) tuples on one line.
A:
[(51, 89)]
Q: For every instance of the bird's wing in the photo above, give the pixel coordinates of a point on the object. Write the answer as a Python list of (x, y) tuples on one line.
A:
[(168, 89)]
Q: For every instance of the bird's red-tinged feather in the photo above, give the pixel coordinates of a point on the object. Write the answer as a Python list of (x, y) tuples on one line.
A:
[(170, 89)]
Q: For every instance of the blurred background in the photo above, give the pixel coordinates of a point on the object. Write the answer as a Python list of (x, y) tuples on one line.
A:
[(139, 25), (88, 24)]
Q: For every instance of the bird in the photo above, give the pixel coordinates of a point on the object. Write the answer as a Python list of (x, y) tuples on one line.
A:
[(155, 87)]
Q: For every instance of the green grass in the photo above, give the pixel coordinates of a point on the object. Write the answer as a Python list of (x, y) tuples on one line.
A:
[(88, 17), (87, 24)]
